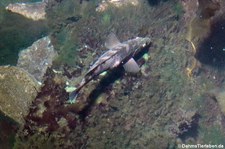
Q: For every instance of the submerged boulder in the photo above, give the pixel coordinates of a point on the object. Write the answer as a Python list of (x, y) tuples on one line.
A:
[(104, 5), (220, 97), (37, 58), (34, 11), (17, 91)]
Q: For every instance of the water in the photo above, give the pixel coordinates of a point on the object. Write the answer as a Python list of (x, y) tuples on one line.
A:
[(177, 98), (17, 33)]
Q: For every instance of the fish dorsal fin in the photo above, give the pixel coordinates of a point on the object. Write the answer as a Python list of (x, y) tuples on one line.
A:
[(111, 41), (131, 66)]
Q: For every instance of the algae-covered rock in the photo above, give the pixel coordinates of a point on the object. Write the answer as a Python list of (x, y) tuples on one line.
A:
[(220, 96), (17, 91), (34, 11), (37, 58), (106, 3)]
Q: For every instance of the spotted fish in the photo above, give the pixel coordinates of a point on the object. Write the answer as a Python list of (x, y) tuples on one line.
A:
[(118, 54)]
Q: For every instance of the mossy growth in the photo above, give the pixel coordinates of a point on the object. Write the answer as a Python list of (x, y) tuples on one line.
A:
[(67, 56), (106, 18), (35, 141), (178, 10), (212, 135), (17, 91), (66, 47)]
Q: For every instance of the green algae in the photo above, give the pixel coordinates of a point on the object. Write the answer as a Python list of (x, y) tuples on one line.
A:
[(38, 141), (212, 135), (106, 18), (67, 56), (178, 9), (66, 31)]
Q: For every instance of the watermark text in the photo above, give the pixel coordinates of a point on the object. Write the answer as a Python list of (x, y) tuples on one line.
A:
[(204, 146)]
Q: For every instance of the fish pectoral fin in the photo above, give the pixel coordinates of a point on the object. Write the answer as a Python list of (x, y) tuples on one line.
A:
[(131, 66), (111, 41)]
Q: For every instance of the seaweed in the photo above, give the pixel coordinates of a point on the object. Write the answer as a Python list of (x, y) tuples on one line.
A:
[(49, 107)]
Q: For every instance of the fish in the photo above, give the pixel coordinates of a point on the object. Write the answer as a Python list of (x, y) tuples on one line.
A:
[(119, 53)]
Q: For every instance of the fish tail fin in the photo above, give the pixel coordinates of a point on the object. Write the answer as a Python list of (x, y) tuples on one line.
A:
[(72, 97)]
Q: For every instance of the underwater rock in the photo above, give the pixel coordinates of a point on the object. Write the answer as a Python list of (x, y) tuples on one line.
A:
[(37, 58), (184, 123), (220, 97), (117, 3), (17, 91), (199, 27), (34, 11)]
